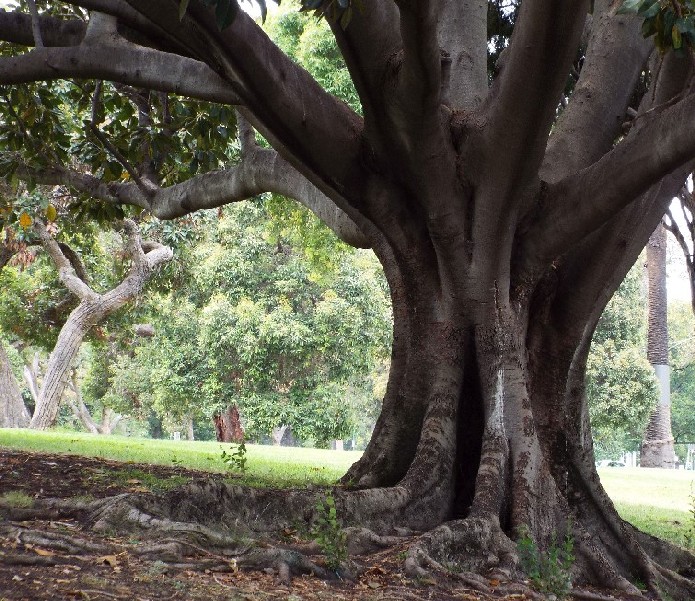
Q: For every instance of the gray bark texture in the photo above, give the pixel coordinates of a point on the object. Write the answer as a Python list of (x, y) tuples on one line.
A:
[(92, 309), (13, 412), (502, 230)]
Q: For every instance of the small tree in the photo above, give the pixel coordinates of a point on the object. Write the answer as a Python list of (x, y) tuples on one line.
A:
[(92, 308)]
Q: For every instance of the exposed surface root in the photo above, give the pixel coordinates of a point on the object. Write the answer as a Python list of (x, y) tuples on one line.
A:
[(473, 545)]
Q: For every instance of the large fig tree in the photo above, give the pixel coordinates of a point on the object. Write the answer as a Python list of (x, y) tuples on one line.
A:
[(505, 208)]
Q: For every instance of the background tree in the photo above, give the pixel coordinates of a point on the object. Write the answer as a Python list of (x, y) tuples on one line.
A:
[(621, 385), (274, 330), (502, 222), (657, 445)]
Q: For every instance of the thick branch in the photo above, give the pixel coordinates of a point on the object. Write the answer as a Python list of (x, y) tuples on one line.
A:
[(66, 271), (156, 70), (367, 44), (462, 31), (260, 171), (420, 74), (16, 28), (308, 122), (588, 127), (534, 70), (581, 202)]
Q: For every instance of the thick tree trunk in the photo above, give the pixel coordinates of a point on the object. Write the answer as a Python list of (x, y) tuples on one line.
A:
[(657, 446), (485, 425), (228, 425), (13, 413)]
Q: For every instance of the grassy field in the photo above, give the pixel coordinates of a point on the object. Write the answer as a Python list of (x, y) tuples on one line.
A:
[(266, 465), (656, 501)]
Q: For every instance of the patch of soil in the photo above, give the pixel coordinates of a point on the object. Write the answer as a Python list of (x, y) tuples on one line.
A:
[(34, 572)]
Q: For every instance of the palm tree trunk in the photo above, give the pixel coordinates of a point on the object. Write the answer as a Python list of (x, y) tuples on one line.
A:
[(657, 445)]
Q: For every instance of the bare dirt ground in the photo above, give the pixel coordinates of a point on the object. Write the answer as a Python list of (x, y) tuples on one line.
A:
[(32, 571)]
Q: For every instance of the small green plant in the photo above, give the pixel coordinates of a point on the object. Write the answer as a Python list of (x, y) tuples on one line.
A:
[(549, 572), (328, 533), (689, 535), (16, 499), (235, 460)]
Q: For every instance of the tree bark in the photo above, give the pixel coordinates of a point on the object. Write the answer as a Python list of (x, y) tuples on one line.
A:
[(502, 238), (92, 309), (657, 445), (13, 413), (228, 425), (109, 418)]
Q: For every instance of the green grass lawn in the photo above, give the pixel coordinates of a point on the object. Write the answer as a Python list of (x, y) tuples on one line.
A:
[(656, 501), (266, 465)]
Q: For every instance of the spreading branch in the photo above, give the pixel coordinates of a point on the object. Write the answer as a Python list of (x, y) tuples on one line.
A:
[(367, 44), (156, 70), (284, 99), (581, 202), (261, 170), (587, 128), (66, 271), (533, 73)]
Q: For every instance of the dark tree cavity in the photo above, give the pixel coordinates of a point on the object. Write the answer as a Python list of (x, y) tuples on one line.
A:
[(505, 212)]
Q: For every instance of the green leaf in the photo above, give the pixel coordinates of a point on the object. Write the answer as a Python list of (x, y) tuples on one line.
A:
[(649, 10), (183, 6), (225, 12), (629, 6), (676, 37)]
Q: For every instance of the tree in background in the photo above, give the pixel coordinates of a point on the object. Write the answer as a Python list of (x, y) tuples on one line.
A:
[(265, 327), (91, 310), (681, 323), (621, 385), (93, 307), (504, 210), (657, 444)]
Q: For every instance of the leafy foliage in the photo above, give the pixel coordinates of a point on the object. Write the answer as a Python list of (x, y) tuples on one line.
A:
[(251, 323), (621, 385), (235, 460), (549, 571), (328, 533), (670, 22)]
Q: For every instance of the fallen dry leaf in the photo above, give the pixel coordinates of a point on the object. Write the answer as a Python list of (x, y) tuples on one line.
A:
[(43, 552), (109, 560)]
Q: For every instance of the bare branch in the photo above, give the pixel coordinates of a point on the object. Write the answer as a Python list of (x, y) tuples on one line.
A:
[(525, 94), (66, 272), (35, 24), (156, 70), (587, 129), (17, 28)]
